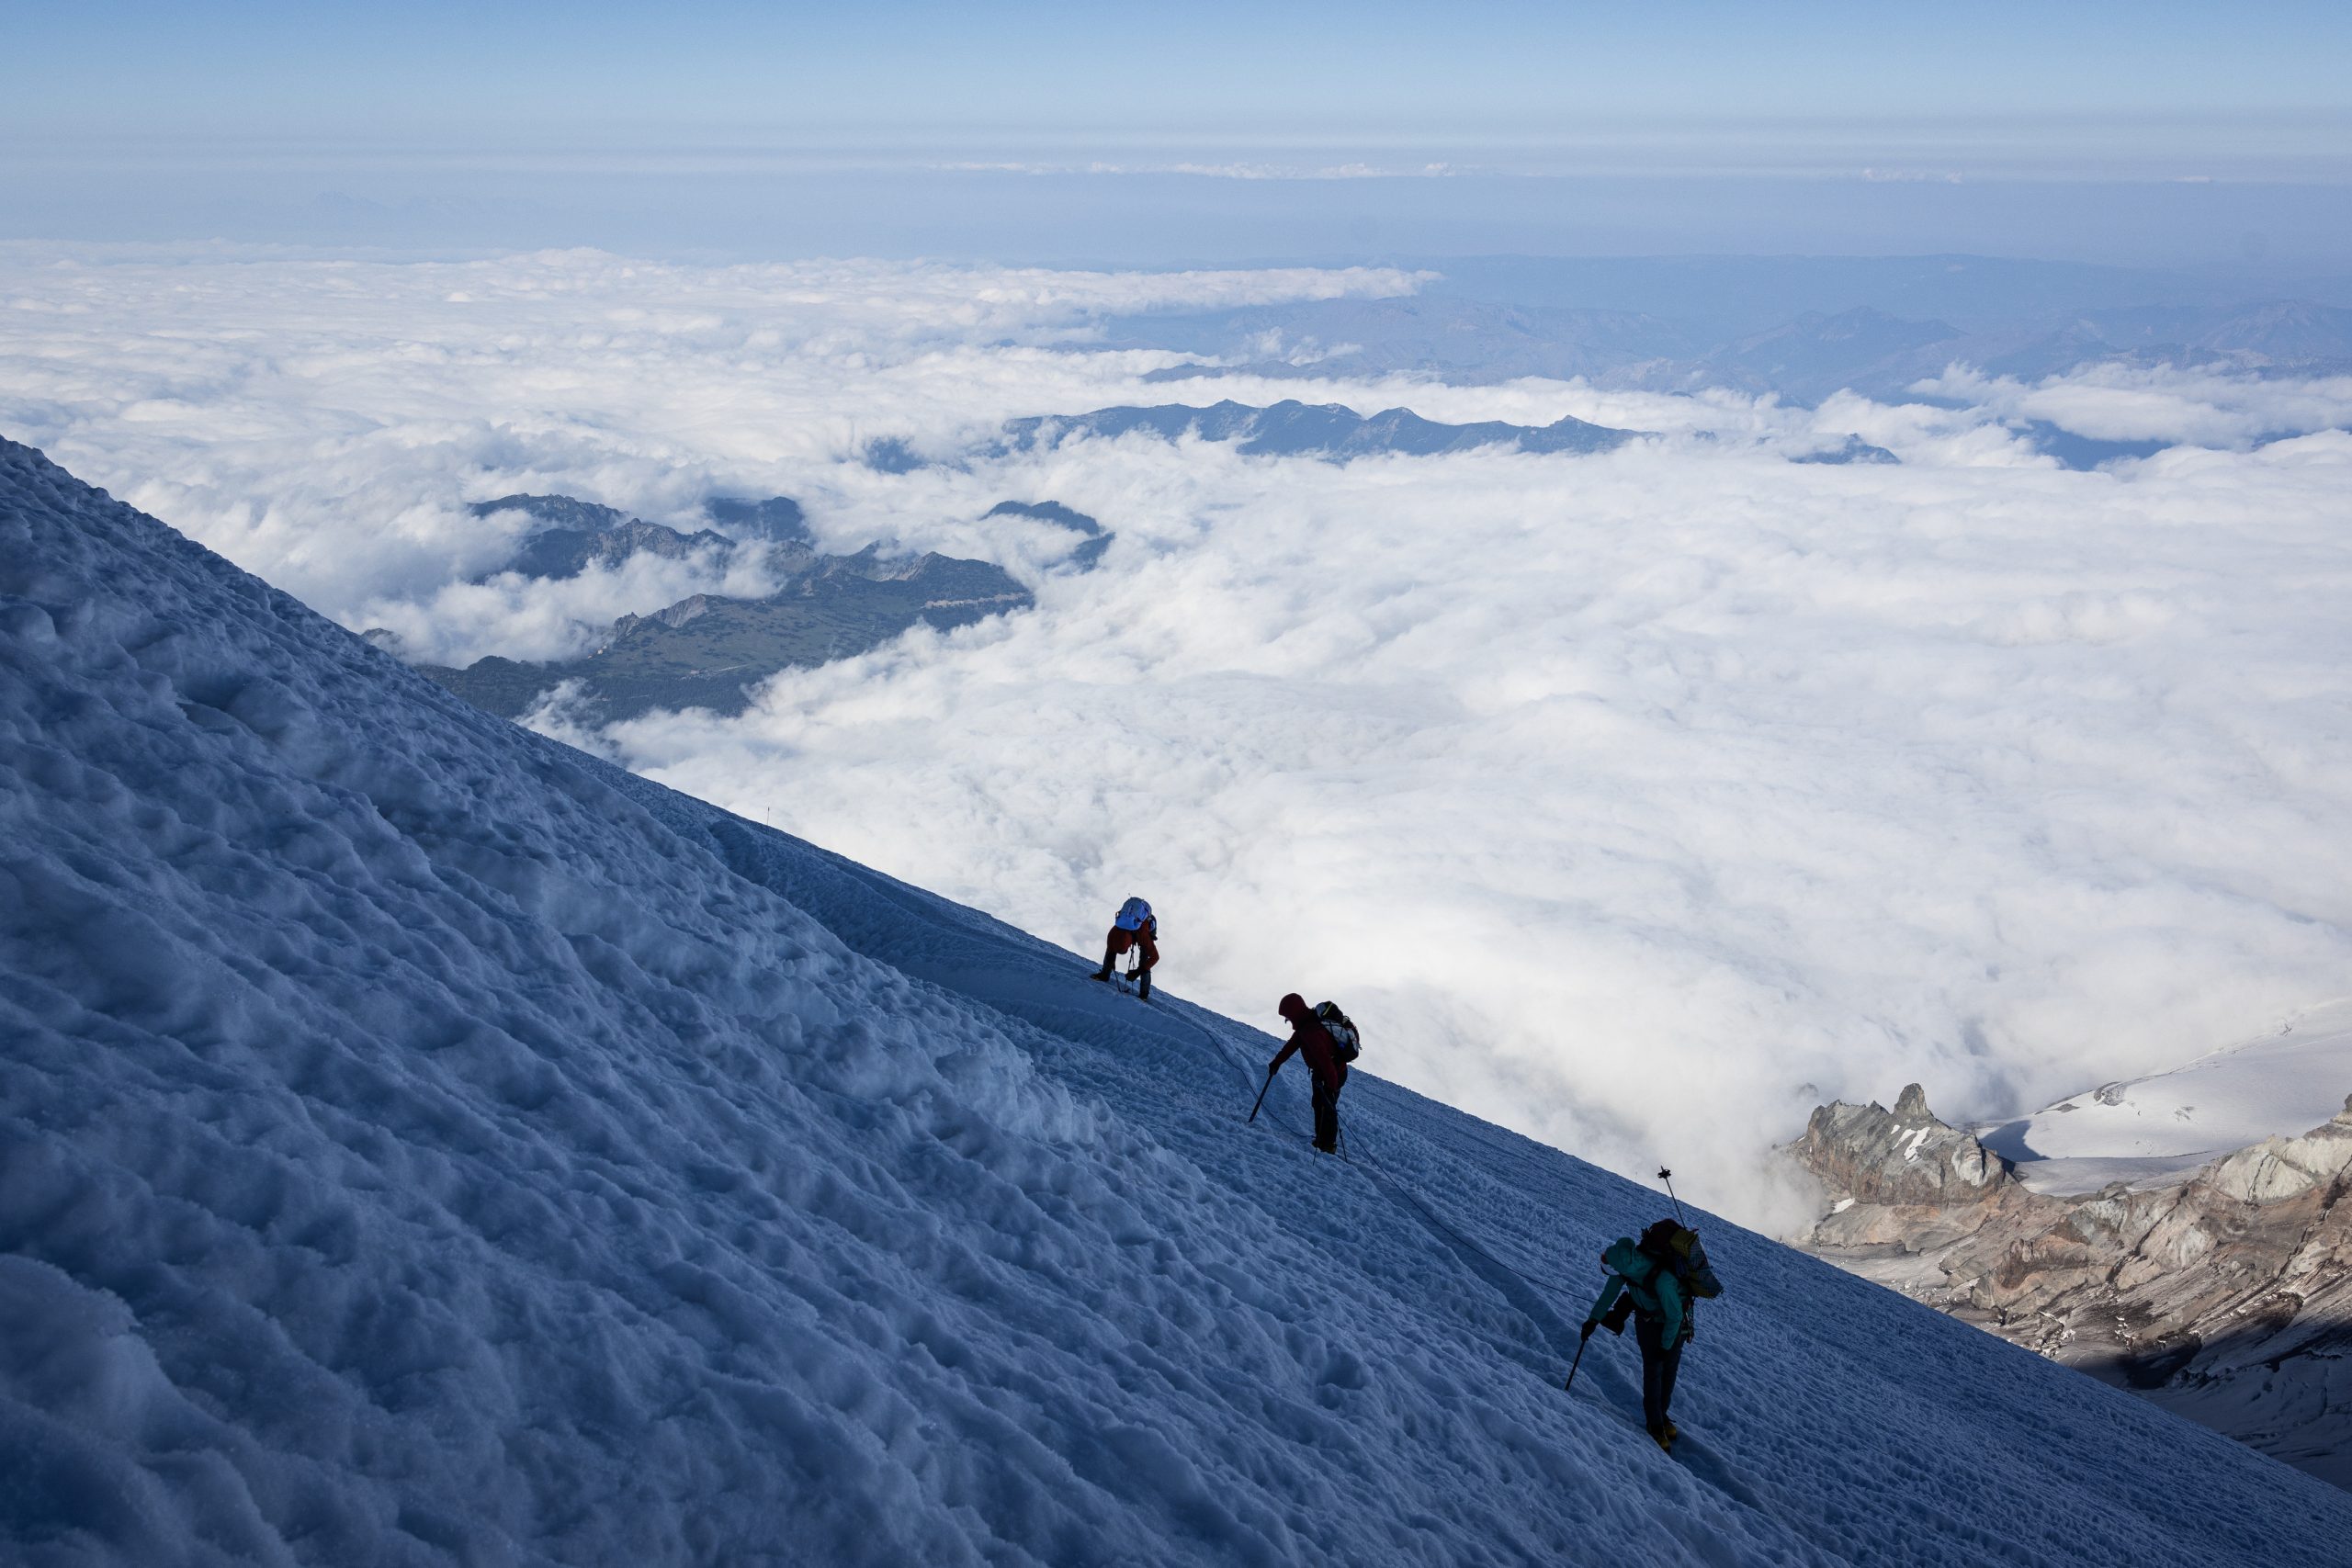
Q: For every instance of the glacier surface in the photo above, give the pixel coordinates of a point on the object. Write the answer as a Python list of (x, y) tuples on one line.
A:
[(2148, 1130)]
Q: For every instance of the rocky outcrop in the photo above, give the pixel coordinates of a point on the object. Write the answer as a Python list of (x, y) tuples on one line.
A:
[(2280, 1168), (2224, 1293), (1902, 1156), (1902, 1182)]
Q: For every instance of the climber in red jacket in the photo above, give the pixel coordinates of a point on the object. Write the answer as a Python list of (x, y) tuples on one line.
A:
[(1312, 1040)]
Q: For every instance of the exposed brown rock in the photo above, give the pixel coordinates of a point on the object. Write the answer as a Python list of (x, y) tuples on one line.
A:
[(2224, 1293), (1904, 1157)]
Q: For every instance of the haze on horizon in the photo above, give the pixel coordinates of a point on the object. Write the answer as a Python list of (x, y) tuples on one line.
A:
[(2156, 135)]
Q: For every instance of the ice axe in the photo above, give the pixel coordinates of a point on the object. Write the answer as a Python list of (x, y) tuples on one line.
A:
[(1667, 1177), (1262, 1094), (1570, 1386)]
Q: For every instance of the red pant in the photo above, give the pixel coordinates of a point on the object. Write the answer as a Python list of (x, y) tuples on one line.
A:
[(1123, 939)]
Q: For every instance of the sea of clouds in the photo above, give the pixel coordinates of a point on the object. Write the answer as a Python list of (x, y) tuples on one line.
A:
[(1640, 801)]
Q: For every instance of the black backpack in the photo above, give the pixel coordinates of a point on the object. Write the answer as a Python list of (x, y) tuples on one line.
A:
[(1674, 1247), (1344, 1041)]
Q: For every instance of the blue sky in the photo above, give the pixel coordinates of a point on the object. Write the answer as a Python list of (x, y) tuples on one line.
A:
[(1373, 70), (157, 120)]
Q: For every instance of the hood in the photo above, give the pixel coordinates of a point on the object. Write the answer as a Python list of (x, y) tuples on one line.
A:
[(1628, 1260), (1293, 1008)]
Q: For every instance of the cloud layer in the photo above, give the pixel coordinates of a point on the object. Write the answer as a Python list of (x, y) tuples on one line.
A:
[(1643, 801), (323, 423), (1639, 801)]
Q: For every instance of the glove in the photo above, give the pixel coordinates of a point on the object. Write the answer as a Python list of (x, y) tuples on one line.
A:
[(1273, 1068), (1587, 1333)]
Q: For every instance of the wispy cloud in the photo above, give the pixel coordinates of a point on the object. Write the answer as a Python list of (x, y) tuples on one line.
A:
[(2119, 402)]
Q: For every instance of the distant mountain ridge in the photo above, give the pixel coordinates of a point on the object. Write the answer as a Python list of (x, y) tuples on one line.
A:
[(706, 650), (1720, 298), (1853, 450), (1294, 429), (1084, 557), (1452, 340), (1804, 359), (575, 535)]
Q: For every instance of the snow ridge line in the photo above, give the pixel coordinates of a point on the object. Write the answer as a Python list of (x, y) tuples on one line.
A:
[(1232, 1054), (1516, 1156), (1529, 1295)]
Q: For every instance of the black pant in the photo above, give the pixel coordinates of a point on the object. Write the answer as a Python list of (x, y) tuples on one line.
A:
[(1659, 1367), (1327, 1116), (1113, 952)]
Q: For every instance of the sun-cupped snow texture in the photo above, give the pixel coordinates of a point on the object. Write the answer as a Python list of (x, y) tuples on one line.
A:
[(420, 1143)]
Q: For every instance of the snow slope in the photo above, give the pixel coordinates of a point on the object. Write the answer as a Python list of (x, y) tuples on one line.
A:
[(420, 1143), (2149, 1129)]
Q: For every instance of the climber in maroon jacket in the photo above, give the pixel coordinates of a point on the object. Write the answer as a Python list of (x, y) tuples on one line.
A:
[(1308, 1037)]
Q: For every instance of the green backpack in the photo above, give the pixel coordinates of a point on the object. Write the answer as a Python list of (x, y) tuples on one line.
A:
[(1674, 1246)]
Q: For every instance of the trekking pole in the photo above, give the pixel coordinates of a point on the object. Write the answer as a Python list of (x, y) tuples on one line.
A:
[(1667, 1177), (1570, 1385), (1262, 1094)]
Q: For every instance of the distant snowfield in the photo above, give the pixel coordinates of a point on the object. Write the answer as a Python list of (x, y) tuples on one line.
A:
[(1641, 802), (2150, 1127), (421, 1144)]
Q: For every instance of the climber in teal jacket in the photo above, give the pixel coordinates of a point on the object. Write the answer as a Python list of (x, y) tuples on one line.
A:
[(1641, 1280)]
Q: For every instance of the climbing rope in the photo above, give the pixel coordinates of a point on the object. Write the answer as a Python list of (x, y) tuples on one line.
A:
[(1388, 1178), (1551, 1285)]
